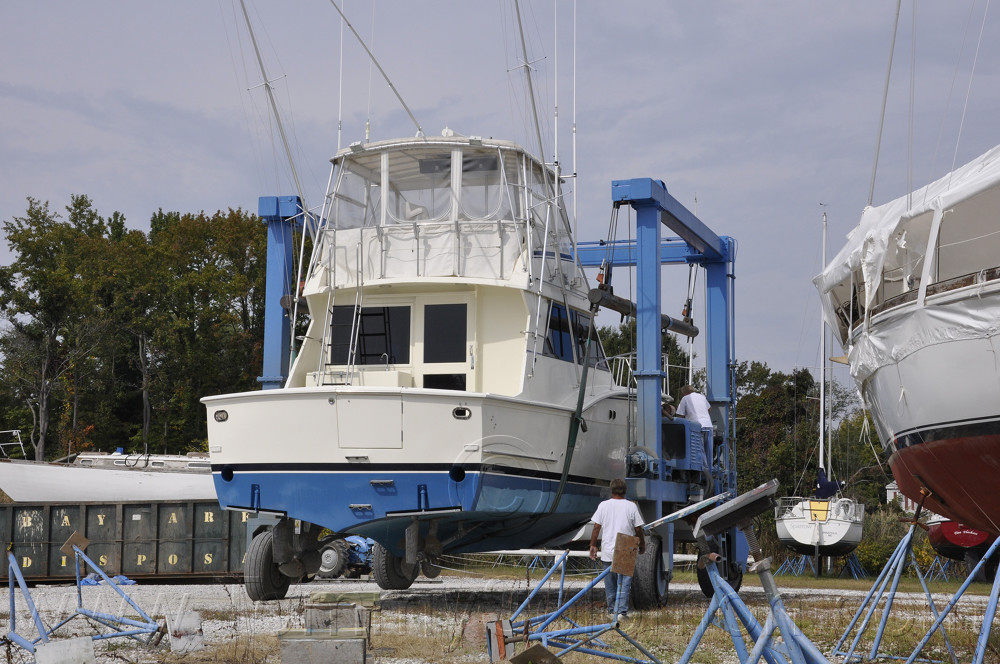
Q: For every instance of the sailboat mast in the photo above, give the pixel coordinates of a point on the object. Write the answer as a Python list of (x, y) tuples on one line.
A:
[(822, 369)]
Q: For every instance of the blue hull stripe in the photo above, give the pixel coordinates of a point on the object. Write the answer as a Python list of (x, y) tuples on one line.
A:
[(483, 510)]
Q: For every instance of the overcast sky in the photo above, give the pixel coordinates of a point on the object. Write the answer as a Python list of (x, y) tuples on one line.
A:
[(757, 115)]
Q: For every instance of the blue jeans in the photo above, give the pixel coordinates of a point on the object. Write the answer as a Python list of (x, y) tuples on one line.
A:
[(612, 582)]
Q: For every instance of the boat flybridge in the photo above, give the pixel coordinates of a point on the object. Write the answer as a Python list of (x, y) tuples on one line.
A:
[(431, 403)]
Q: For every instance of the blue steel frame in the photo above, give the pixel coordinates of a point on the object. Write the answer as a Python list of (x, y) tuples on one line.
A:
[(121, 626), (902, 556), (283, 215), (697, 245)]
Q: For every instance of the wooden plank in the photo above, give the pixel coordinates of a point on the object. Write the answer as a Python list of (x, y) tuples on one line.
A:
[(626, 551)]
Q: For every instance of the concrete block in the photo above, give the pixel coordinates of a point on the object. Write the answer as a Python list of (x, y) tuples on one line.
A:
[(299, 646), (185, 632), (66, 651), (366, 599), (337, 617)]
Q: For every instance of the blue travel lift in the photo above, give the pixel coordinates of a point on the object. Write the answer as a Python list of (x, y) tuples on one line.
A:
[(661, 484), (724, 534)]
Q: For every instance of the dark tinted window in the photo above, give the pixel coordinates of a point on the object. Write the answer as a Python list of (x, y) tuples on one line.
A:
[(444, 333), (383, 335)]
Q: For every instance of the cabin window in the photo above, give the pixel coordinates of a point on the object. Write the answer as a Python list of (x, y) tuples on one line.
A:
[(568, 331), (559, 341), (383, 335), (444, 333), (581, 328)]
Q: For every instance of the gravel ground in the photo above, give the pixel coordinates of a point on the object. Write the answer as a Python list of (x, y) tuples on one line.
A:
[(227, 612)]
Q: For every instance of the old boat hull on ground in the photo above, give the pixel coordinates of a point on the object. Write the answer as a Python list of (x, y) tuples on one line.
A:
[(914, 297), (135, 479)]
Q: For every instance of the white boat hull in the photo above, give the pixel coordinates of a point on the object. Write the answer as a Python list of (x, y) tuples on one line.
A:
[(366, 461), (36, 482), (814, 526)]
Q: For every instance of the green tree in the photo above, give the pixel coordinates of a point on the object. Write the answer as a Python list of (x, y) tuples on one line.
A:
[(45, 305)]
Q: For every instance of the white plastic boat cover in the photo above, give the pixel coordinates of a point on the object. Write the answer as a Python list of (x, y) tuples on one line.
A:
[(867, 244), (867, 248)]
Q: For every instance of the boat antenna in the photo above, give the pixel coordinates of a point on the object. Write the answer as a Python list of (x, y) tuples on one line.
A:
[(576, 216), (340, 90), (274, 105), (420, 130), (885, 96), (531, 90), (822, 367)]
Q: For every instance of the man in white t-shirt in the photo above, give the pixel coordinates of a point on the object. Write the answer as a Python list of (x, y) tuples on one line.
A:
[(613, 516), (695, 407)]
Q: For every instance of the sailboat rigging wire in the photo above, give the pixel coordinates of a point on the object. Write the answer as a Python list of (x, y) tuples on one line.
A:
[(947, 105), (909, 136), (885, 97), (968, 92), (374, 61)]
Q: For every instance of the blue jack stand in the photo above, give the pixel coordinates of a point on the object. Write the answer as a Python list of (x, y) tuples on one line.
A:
[(574, 638), (894, 568), (796, 566), (121, 626), (795, 647)]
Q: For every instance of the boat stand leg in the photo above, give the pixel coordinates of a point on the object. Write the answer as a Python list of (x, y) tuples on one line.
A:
[(576, 638), (984, 631), (14, 576), (954, 600), (904, 557), (933, 607), (872, 599)]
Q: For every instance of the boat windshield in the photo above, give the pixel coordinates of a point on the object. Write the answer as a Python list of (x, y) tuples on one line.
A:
[(430, 183)]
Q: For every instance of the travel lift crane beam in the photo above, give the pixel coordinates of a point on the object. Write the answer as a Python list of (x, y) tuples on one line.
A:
[(697, 245)]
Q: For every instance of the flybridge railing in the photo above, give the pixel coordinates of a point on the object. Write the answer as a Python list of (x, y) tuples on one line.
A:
[(475, 249), (622, 369)]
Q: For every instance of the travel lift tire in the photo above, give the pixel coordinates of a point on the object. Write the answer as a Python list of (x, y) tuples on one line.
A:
[(391, 572), (261, 577), (333, 559), (650, 581), (730, 573)]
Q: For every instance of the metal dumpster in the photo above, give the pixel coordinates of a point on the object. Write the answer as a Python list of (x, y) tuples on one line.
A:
[(161, 540)]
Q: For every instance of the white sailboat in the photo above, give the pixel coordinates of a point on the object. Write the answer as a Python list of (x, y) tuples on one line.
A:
[(826, 524)]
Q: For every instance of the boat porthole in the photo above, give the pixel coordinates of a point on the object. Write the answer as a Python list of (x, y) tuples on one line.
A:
[(227, 473), (221, 416), (456, 473), (461, 413)]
